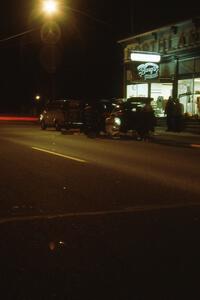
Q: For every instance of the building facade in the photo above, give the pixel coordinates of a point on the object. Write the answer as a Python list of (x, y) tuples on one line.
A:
[(177, 74)]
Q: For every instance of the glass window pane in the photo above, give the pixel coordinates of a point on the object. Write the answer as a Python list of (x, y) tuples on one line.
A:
[(185, 94), (197, 96), (160, 93), (137, 90)]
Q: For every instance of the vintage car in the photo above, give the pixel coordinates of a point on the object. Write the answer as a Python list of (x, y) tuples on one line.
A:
[(95, 114), (133, 115), (62, 114)]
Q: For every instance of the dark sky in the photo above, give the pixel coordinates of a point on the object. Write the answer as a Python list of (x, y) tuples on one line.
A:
[(87, 61)]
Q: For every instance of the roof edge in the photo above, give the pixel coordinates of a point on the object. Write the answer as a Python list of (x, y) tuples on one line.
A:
[(156, 30)]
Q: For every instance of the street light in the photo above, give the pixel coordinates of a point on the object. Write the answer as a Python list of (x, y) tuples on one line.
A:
[(37, 97), (50, 7)]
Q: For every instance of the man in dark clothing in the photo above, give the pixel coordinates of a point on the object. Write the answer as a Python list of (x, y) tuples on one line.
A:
[(93, 120), (178, 116), (169, 111), (146, 121)]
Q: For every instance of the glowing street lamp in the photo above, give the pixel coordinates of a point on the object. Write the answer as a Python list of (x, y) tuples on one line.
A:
[(37, 97), (50, 7)]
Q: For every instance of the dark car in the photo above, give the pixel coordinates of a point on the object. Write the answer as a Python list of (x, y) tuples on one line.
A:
[(95, 114), (62, 114), (134, 114), (120, 116)]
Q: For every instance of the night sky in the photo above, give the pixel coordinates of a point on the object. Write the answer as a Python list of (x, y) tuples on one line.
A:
[(86, 62)]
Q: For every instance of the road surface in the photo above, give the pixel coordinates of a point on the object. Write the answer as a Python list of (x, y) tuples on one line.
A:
[(46, 171), (97, 218)]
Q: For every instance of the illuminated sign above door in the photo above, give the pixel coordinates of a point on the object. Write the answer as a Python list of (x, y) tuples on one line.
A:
[(145, 57)]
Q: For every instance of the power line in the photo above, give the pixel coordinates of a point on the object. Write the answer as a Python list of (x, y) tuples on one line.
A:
[(17, 35), (89, 16), (72, 9)]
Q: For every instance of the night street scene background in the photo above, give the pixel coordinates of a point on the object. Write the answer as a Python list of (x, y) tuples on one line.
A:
[(86, 61), (86, 214)]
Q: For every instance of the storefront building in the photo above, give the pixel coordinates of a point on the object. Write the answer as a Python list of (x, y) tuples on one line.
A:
[(168, 65)]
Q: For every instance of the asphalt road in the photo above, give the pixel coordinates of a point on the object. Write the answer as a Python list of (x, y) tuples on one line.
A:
[(48, 172), (97, 218)]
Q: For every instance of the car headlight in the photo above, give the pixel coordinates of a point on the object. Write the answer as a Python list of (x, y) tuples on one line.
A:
[(117, 121)]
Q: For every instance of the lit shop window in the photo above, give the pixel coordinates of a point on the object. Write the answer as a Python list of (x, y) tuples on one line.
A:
[(160, 93), (189, 95), (137, 90), (197, 96)]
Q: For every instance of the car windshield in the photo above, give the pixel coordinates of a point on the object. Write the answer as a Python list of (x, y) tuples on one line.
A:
[(99, 150)]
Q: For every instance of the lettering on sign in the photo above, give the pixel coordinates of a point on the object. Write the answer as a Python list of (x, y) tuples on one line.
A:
[(167, 41), (148, 70)]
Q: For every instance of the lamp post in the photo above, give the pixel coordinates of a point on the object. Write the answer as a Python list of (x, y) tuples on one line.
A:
[(50, 36)]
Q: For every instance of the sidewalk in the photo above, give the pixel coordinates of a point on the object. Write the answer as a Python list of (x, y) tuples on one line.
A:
[(183, 139)]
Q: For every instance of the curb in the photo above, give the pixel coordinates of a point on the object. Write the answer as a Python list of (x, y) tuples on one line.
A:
[(176, 143)]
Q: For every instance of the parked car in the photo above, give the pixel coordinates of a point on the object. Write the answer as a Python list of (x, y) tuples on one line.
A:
[(120, 116), (134, 114), (95, 114), (60, 114)]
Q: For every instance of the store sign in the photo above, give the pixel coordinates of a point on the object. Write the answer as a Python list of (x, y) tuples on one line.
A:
[(145, 57), (166, 41), (148, 70)]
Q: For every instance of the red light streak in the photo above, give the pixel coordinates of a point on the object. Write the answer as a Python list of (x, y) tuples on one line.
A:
[(15, 118)]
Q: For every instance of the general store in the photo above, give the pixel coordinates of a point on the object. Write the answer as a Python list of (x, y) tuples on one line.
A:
[(165, 62)]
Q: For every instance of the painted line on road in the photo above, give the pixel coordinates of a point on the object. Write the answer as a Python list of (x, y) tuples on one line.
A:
[(60, 155), (126, 210), (195, 145)]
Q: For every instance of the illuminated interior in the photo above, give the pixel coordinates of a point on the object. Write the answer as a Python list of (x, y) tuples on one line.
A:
[(160, 93), (137, 90), (189, 95)]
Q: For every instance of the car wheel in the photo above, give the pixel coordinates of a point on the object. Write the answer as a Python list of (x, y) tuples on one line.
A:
[(57, 126), (43, 125), (90, 133), (111, 131)]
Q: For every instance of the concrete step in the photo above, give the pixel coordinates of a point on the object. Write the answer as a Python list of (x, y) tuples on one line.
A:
[(190, 125)]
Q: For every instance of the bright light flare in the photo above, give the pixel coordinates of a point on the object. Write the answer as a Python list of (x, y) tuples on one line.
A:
[(117, 121), (143, 57), (50, 7)]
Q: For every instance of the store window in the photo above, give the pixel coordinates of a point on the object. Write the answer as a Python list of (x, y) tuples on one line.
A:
[(160, 93), (137, 90), (197, 96), (189, 95)]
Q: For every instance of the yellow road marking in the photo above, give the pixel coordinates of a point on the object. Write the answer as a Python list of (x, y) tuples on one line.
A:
[(59, 154)]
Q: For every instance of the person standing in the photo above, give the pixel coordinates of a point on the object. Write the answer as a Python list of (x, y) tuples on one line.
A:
[(169, 112), (178, 116), (146, 121)]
